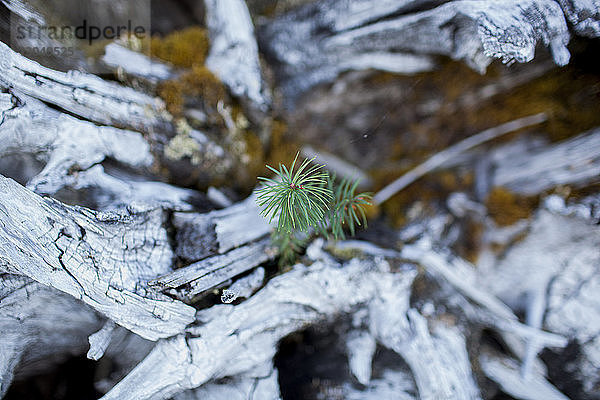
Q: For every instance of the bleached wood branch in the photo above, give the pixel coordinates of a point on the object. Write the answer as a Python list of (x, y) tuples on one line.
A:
[(260, 383), (233, 54), (235, 339), (361, 346), (575, 161), (558, 256), (82, 94), (461, 276), (100, 340), (506, 373), (212, 271), (314, 43), (438, 159), (104, 259), (136, 64)]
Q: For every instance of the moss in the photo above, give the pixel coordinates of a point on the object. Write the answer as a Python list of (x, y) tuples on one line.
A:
[(199, 82), (283, 146), (567, 95), (185, 48), (256, 154), (172, 92), (506, 207)]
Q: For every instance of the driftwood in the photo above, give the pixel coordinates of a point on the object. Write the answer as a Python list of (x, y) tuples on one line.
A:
[(83, 94), (72, 153), (104, 259), (558, 257), (317, 42), (233, 55), (113, 281), (235, 340), (573, 162)]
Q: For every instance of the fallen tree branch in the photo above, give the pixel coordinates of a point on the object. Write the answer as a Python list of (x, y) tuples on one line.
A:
[(438, 160), (315, 43), (575, 162), (104, 259), (82, 94)]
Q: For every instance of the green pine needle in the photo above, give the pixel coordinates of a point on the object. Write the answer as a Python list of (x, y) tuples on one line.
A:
[(346, 210), (299, 198), (309, 199)]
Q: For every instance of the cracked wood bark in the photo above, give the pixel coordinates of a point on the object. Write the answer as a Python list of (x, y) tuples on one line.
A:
[(315, 43), (82, 94), (73, 150), (104, 259), (206, 274), (584, 15), (231, 340)]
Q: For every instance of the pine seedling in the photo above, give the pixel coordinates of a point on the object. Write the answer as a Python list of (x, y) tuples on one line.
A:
[(310, 201), (348, 207), (298, 198)]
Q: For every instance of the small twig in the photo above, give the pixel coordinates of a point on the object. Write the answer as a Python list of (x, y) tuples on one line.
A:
[(442, 157)]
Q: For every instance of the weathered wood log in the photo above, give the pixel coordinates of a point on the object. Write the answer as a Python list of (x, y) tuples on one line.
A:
[(559, 257), (236, 339), (315, 43), (233, 54), (104, 259), (461, 275), (72, 151), (572, 162), (84, 95)]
